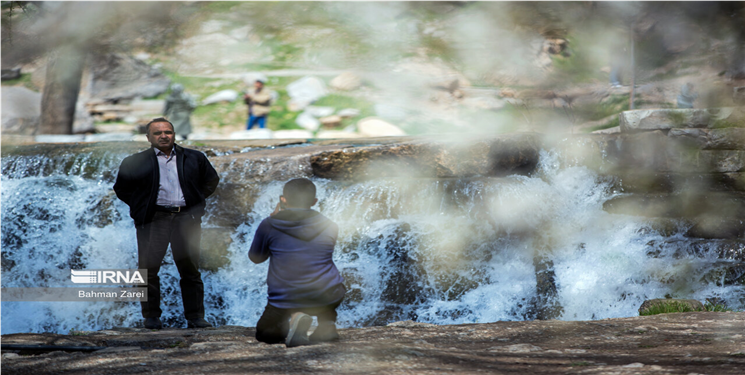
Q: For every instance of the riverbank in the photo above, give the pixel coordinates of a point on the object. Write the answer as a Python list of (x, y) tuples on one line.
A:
[(682, 343)]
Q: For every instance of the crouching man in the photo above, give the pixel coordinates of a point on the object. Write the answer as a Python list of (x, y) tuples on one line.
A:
[(303, 280)]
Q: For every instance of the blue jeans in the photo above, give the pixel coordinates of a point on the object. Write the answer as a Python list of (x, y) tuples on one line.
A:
[(252, 120)]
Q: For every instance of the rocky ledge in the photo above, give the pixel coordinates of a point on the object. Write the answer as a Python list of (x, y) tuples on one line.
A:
[(682, 343)]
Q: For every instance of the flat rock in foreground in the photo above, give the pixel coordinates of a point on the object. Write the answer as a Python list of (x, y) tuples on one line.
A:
[(683, 343)]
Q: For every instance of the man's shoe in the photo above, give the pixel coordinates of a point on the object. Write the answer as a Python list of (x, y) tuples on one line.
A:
[(198, 323), (153, 323), (298, 334), (325, 332)]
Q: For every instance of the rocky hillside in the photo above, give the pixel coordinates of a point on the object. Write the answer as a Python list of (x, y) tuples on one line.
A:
[(417, 68)]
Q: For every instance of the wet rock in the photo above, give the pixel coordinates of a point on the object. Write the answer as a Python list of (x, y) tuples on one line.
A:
[(713, 226), (545, 305), (497, 157), (682, 205), (21, 110), (101, 212), (658, 303), (726, 139), (231, 203), (215, 243)]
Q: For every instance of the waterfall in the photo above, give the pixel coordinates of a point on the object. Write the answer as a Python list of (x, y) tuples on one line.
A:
[(443, 251)]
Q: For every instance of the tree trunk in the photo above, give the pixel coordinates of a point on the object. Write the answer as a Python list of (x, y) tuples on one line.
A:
[(61, 89)]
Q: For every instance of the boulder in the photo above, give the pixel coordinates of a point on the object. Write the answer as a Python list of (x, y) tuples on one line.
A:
[(306, 90), (331, 122), (346, 81), (306, 121), (118, 76), (21, 110), (221, 96), (375, 127), (665, 119)]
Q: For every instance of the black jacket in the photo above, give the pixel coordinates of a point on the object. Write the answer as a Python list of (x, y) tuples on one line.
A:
[(139, 177)]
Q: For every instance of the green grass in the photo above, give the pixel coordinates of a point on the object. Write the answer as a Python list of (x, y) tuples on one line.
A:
[(24, 80), (235, 113), (678, 307), (340, 102)]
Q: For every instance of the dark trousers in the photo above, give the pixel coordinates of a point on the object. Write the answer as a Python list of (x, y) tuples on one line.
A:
[(274, 323), (184, 233)]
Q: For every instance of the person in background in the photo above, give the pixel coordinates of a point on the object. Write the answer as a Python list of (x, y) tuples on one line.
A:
[(259, 101), (165, 188), (178, 109), (686, 96), (303, 280)]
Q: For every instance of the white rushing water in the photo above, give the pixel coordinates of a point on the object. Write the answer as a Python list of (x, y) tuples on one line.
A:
[(438, 251)]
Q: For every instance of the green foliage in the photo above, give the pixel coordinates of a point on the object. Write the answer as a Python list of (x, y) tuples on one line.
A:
[(708, 306), (667, 307), (75, 332)]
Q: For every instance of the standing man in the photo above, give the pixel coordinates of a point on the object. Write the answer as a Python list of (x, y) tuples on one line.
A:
[(165, 188), (259, 101)]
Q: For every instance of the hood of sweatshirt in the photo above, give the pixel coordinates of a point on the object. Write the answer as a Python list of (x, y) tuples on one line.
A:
[(301, 224)]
